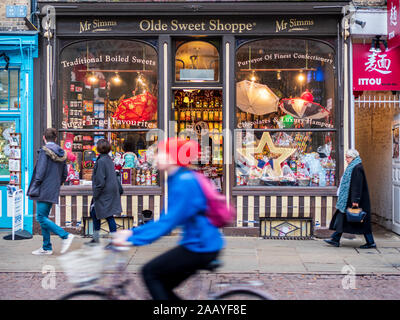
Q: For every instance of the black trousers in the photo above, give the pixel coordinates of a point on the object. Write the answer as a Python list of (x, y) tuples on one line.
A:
[(167, 271)]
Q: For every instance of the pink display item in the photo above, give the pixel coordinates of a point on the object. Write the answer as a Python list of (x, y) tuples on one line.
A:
[(218, 211)]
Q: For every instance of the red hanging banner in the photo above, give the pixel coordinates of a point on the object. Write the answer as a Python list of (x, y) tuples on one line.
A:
[(375, 71), (393, 23)]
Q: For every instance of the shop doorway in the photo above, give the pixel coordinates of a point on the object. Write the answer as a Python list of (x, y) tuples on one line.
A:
[(374, 135), (198, 115), (396, 174)]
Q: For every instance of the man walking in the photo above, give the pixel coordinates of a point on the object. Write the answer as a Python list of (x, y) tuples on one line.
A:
[(49, 174)]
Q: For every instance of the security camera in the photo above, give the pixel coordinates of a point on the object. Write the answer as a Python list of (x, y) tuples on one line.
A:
[(360, 23)]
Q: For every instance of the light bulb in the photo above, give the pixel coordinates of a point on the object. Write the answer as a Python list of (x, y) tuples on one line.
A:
[(301, 77), (116, 79), (92, 79)]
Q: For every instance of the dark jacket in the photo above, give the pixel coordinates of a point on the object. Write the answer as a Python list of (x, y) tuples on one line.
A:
[(106, 190), (49, 174), (358, 193)]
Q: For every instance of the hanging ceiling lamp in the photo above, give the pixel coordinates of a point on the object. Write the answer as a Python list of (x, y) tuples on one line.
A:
[(116, 79)]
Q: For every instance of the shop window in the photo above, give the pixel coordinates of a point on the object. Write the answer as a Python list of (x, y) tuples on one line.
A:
[(197, 115), (109, 90), (9, 89), (285, 113), (6, 127), (196, 61)]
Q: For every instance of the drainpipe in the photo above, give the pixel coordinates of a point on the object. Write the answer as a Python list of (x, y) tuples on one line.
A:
[(34, 18), (348, 116), (48, 25)]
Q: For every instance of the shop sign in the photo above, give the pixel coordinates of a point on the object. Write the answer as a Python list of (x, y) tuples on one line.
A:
[(17, 211), (375, 70), (197, 74), (291, 25), (96, 25), (16, 11), (200, 25), (393, 23)]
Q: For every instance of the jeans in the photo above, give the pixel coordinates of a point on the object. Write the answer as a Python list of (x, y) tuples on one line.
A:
[(368, 237), (97, 222), (167, 271), (47, 226)]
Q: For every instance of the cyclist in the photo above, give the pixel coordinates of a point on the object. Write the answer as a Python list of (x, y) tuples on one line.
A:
[(201, 241)]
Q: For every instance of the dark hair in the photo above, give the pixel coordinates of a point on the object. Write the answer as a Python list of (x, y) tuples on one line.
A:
[(129, 144), (103, 146), (50, 134)]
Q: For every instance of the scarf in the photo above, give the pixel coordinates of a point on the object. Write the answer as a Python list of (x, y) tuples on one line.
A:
[(344, 186)]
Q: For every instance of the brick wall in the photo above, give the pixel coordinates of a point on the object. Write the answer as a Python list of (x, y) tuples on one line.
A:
[(13, 24), (373, 134)]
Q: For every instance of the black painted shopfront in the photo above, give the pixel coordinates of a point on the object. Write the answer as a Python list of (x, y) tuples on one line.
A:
[(259, 82)]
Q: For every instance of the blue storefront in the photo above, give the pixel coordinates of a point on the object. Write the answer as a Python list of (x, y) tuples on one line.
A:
[(17, 53)]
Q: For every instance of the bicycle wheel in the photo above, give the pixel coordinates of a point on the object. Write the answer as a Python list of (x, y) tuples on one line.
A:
[(85, 295), (242, 294)]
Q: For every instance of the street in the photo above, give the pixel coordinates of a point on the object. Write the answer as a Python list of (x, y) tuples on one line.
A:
[(286, 269), (27, 286)]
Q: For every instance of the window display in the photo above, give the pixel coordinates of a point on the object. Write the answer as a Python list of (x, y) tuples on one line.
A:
[(109, 90), (6, 141), (285, 158), (283, 87), (132, 153)]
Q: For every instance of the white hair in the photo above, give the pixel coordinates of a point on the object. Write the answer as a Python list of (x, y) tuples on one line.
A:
[(352, 153)]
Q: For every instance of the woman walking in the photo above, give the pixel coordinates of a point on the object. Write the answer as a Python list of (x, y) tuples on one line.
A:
[(106, 200), (352, 192)]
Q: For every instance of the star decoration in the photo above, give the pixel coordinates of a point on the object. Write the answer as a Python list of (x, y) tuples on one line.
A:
[(281, 153)]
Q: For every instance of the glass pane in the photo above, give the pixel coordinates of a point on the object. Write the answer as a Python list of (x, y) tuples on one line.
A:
[(109, 84), (5, 128), (197, 115), (14, 89), (132, 153), (3, 89), (196, 61), (285, 158), (285, 83)]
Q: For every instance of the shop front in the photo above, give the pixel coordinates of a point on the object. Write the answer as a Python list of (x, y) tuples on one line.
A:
[(261, 93), (17, 53)]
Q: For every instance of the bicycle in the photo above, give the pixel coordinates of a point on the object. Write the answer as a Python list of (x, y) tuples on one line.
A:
[(91, 264)]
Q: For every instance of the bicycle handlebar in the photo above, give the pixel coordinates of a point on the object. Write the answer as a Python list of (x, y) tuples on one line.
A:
[(115, 248)]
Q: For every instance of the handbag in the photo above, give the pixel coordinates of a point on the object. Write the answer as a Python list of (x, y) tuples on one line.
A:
[(355, 215)]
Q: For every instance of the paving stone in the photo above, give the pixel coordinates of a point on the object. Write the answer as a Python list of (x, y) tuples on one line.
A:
[(281, 286)]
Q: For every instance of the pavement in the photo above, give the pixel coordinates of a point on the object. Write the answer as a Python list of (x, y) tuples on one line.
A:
[(286, 269), (241, 255)]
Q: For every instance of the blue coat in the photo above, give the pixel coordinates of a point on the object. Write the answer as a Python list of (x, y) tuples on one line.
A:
[(49, 174), (186, 207)]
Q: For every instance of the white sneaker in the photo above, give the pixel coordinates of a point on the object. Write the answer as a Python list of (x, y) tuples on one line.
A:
[(66, 243), (42, 252)]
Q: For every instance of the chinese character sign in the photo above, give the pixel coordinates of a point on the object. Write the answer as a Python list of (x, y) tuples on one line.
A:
[(393, 23), (375, 70)]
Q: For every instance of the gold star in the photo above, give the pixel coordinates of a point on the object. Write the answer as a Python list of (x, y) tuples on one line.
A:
[(283, 153)]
